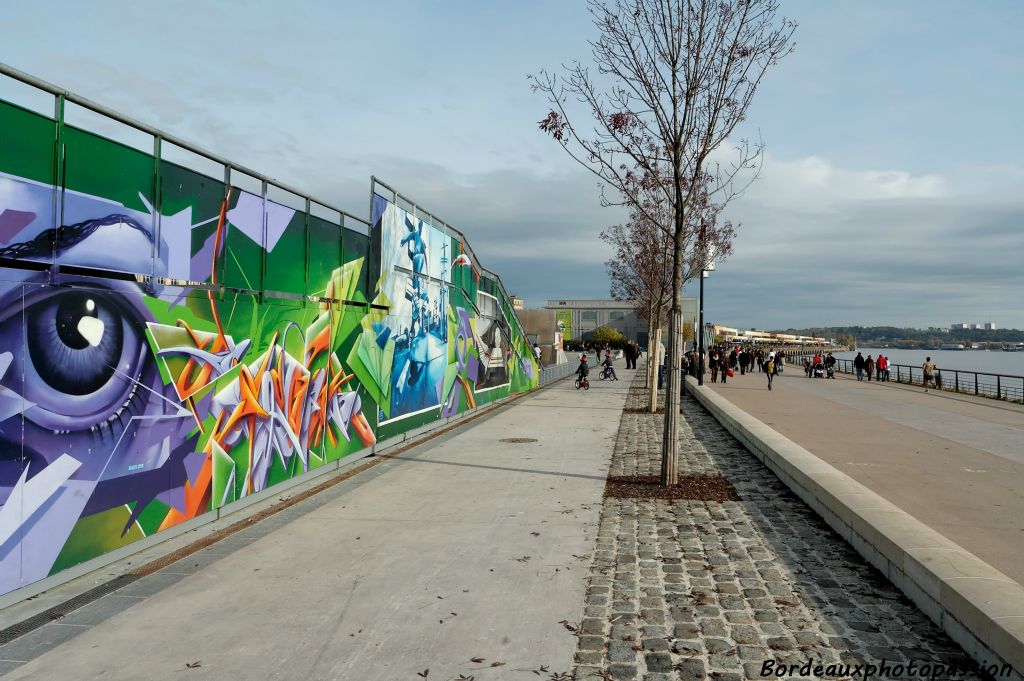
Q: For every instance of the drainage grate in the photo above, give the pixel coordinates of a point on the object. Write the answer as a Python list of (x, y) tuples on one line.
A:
[(66, 608), (517, 440)]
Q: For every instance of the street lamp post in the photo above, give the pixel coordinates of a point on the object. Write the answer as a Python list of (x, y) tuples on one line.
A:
[(700, 331)]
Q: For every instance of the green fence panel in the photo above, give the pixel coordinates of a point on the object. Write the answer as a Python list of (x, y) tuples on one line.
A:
[(190, 205), (356, 246), (107, 218), (323, 255), (27, 143), (242, 259), (286, 252)]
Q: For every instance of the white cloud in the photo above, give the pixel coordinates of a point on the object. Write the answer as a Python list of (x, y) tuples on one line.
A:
[(818, 182)]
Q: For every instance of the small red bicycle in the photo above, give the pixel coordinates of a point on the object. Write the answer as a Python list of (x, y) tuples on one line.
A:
[(582, 382)]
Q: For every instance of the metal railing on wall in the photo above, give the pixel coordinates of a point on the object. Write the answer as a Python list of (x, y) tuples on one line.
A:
[(232, 172), (553, 372), (980, 383)]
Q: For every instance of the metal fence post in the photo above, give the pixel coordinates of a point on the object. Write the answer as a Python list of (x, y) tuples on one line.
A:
[(58, 181)]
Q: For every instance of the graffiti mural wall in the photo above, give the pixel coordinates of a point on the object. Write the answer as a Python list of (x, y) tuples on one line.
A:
[(170, 343)]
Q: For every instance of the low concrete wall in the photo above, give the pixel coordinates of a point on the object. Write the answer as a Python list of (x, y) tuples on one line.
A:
[(979, 607), (556, 371)]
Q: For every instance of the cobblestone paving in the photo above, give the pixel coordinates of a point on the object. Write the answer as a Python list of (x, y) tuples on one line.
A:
[(694, 590)]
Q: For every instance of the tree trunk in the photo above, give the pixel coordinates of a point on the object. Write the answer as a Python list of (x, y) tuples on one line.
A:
[(670, 442), (673, 398), (652, 388), (652, 366)]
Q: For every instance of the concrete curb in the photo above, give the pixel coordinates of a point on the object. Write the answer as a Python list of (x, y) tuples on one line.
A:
[(976, 605)]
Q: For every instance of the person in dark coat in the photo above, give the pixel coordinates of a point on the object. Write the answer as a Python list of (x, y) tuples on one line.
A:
[(858, 366)]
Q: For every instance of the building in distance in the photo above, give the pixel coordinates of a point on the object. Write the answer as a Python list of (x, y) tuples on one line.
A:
[(577, 319)]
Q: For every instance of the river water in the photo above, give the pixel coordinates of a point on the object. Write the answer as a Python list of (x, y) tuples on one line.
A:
[(993, 362)]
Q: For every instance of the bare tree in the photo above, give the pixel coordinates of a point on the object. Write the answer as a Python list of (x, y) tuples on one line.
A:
[(673, 79), (640, 269)]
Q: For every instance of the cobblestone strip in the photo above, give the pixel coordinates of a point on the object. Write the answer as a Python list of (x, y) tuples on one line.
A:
[(695, 590)]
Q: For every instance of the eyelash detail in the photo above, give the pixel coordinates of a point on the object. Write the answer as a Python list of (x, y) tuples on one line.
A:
[(132, 407)]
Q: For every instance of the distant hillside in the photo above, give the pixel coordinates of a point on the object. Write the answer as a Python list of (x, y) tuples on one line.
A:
[(907, 338)]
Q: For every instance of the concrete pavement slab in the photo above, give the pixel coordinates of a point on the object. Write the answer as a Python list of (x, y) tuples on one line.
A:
[(467, 547), (954, 462)]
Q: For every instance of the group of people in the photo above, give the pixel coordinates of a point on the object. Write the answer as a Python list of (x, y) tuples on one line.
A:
[(632, 352), (607, 367), (869, 366), (724, 363), (823, 366)]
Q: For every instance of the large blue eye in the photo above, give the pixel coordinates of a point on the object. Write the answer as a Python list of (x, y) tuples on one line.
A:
[(81, 356), (75, 341)]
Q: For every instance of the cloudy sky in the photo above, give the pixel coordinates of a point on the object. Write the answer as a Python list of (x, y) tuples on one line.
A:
[(892, 190)]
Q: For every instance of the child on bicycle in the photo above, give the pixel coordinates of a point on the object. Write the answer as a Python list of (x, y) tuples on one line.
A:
[(609, 370), (582, 371)]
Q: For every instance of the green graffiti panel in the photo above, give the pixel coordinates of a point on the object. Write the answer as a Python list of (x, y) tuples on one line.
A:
[(286, 258), (100, 167), (323, 255), (27, 142), (242, 256), (151, 401), (190, 207), (95, 166), (356, 246)]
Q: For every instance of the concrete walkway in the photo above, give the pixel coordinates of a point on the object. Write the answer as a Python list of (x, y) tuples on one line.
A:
[(955, 462), (466, 547)]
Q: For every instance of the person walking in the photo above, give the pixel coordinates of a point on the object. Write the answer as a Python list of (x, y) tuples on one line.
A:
[(769, 368), (881, 368), (869, 367), (713, 366), (928, 369), (536, 352), (858, 366), (684, 369)]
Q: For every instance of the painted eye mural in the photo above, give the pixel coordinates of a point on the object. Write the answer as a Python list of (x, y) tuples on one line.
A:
[(170, 344)]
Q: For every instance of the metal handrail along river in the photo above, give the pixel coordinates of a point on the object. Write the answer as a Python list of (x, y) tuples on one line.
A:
[(981, 383)]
